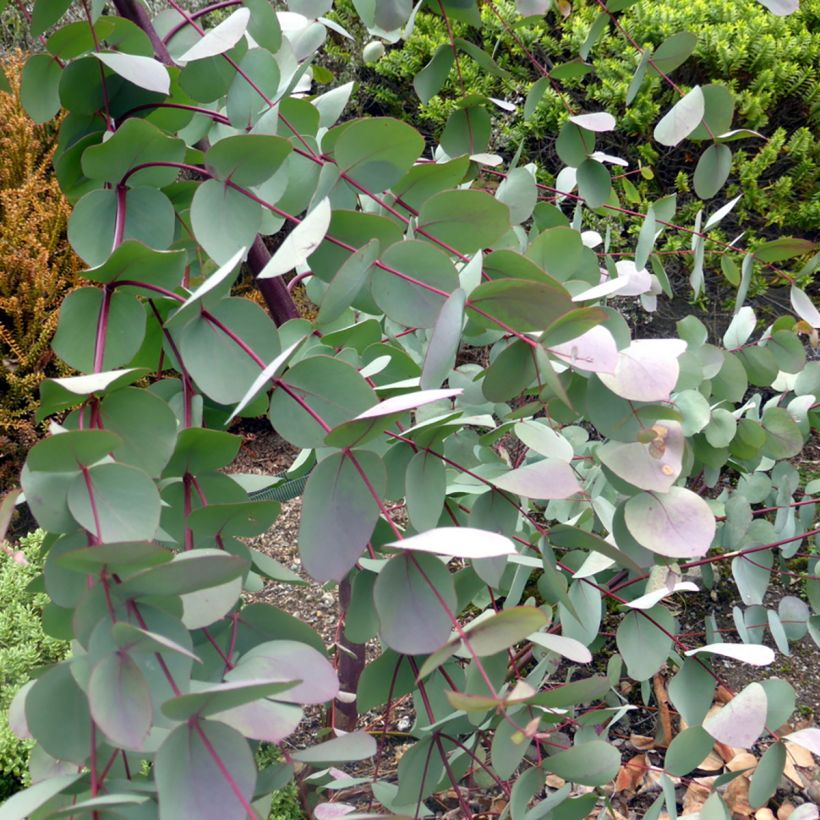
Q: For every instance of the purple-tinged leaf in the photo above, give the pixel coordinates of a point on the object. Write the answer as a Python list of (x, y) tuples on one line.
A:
[(289, 660), (457, 542), (330, 811), (338, 501), (208, 700), (754, 654), (742, 720), (263, 720), (120, 700), (444, 341), (647, 370), (678, 523), (781, 8), (597, 121), (594, 351), (654, 465), (542, 480), (406, 594), (200, 770), (134, 639), (342, 749)]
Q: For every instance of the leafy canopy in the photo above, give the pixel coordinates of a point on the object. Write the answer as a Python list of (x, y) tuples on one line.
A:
[(482, 519)]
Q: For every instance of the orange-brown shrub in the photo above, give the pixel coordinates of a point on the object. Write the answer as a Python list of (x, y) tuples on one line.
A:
[(37, 269)]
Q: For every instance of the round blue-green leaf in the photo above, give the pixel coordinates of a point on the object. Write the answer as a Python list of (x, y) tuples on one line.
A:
[(219, 366), (719, 108), (149, 218), (691, 691), (188, 572), (136, 141), (574, 144), (338, 500), (25, 803), (76, 337), (378, 151), (677, 523), (411, 618), (224, 220), (594, 182), (429, 81), (766, 777), (561, 253), (134, 261), (67, 452), (245, 103), (688, 750), (120, 700), (426, 486), (146, 425), (69, 737), (643, 645), (247, 159), (674, 51), (712, 170), (348, 282), (189, 770), (465, 220), (783, 436), (522, 304), (353, 746), (591, 764), (40, 87), (333, 390), (115, 502), (407, 302)]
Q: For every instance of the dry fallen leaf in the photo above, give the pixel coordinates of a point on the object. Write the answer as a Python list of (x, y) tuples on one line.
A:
[(737, 797), (726, 752), (642, 742), (764, 814), (744, 760), (800, 756), (695, 796), (711, 763), (785, 811), (555, 782), (498, 805), (631, 774)]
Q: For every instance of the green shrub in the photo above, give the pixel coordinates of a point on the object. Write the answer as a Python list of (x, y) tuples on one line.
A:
[(769, 63), (23, 647)]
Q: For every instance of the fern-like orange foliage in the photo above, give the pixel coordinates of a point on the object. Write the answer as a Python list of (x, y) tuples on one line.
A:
[(37, 269)]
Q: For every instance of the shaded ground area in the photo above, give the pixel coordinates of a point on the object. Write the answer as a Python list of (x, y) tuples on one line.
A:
[(264, 452)]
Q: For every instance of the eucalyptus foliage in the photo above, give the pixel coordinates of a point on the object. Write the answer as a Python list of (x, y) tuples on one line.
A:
[(483, 516)]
